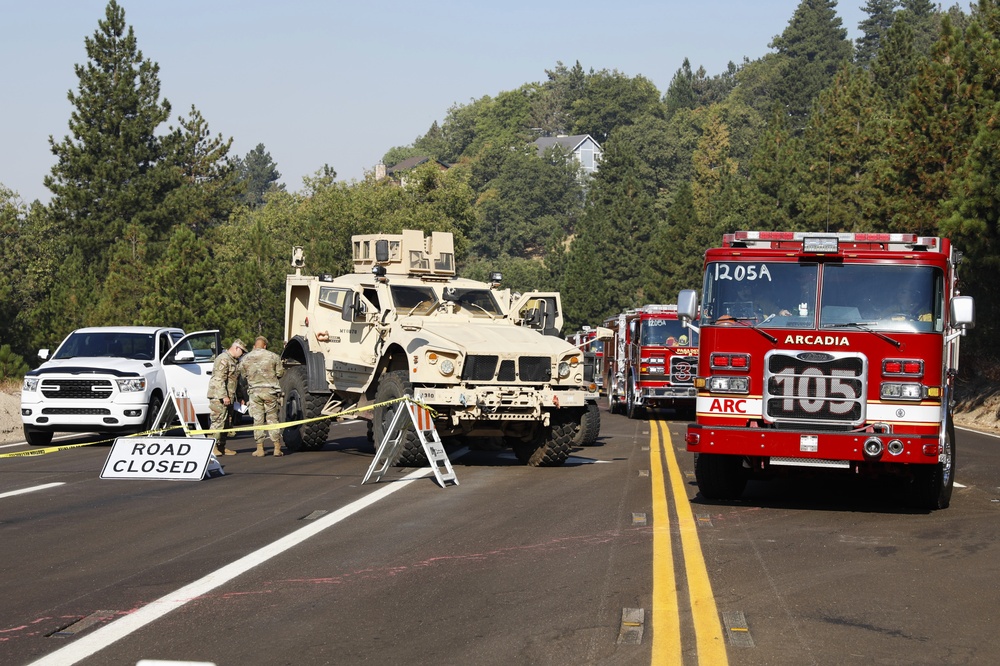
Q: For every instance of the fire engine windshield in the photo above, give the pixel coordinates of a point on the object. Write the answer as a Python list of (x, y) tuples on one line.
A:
[(666, 333), (886, 297), (778, 294)]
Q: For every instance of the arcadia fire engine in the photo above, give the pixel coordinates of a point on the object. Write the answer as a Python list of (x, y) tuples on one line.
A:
[(587, 340), (650, 362), (832, 350)]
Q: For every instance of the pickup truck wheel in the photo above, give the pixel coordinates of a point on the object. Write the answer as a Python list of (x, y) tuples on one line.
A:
[(154, 410), (932, 484), (299, 404), (392, 386), (720, 476), (590, 426), (553, 445), (37, 437)]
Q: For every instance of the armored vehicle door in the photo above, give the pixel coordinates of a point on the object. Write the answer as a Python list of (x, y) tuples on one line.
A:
[(188, 366), (540, 310), (355, 357)]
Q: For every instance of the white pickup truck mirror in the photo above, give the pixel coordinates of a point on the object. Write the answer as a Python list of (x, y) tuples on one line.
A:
[(184, 356), (43, 354)]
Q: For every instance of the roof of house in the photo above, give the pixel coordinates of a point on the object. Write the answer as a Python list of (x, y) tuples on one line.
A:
[(412, 163), (570, 143)]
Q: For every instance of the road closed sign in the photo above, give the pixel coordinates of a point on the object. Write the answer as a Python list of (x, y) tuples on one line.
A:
[(164, 458)]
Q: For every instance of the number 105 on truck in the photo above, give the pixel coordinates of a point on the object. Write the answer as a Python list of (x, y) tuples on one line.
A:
[(827, 350)]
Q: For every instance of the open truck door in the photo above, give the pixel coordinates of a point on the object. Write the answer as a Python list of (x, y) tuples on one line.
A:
[(188, 366)]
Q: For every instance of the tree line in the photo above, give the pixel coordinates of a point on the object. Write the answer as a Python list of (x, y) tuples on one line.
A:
[(155, 223)]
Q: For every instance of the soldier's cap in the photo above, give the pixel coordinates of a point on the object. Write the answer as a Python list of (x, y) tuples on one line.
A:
[(239, 343), (260, 338)]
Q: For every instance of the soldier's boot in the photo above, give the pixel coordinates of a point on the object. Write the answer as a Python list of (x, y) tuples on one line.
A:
[(259, 453), (277, 448)]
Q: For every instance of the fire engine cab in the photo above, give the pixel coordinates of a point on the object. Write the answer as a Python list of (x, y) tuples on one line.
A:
[(650, 362), (831, 350)]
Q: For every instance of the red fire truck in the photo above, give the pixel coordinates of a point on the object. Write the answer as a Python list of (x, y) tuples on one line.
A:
[(650, 362), (586, 339), (832, 350)]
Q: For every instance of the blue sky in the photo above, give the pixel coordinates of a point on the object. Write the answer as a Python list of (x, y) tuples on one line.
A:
[(330, 82)]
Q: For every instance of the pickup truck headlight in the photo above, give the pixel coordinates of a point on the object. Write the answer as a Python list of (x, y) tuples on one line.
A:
[(30, 384), (132, 384)]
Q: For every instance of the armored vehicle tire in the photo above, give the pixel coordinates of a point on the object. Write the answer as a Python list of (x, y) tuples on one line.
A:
[(298, 404), (37, 437), (552, 447), (719, 476), (392, 386), (590, 426), (932, 484)]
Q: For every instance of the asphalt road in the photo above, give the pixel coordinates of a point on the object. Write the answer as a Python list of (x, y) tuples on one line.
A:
[(610, 559)]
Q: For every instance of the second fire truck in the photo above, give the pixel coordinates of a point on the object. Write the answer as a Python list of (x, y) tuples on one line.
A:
[(828, 350), (650, 362)]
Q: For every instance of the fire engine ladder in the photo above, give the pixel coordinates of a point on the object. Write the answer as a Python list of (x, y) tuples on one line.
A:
[(179, 410), (392, 445)]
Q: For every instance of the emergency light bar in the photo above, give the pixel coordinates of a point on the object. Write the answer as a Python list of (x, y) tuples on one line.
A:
[(828, 243)]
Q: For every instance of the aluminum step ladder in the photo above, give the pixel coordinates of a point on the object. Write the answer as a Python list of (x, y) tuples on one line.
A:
[(179, 410), (392, 445)]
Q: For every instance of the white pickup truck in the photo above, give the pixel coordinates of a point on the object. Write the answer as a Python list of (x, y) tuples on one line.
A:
[(113, 380)]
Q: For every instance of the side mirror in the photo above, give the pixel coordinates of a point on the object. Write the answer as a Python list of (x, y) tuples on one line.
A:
[(687, 304), (604, 334), (184, 356), (43, 354), (963, 312)]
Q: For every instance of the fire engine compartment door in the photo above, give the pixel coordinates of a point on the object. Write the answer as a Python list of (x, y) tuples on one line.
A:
[(188, 366), (539, 310)]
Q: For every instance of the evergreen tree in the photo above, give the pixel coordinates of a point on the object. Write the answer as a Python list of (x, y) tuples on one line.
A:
[(922, 17), (258, 175), (110, 172), (190, 288), (680, 92), (873, 30), (678, 247), (815, 46), (896, 64), (611, 100), (713, 167), (122, 291), (774, 190)]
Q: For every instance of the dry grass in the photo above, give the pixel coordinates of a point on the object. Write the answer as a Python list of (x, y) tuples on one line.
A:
[(10, 385)]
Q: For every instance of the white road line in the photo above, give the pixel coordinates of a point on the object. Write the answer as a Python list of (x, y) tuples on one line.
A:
[(23, 491), (981, 432), (108, 634)]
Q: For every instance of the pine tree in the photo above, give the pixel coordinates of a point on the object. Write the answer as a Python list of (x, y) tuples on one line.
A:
[(873, 30), (774, 193), (258, 174), (110, 173), (896, 65), (816, 46)]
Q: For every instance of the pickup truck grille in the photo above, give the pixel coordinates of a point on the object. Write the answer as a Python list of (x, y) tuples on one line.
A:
[(820, 388), (531, 369), (76, 389), (76, 411)]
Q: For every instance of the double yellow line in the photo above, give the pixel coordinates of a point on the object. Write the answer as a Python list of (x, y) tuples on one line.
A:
[(666, 644)]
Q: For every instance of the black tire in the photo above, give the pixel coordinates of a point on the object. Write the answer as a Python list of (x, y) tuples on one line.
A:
[(720, 477), (37, 437), (633, 410), (933, 484), (155, 403), (552, 445), (612, 403), (391, 386), (297, 404), (590, 426)]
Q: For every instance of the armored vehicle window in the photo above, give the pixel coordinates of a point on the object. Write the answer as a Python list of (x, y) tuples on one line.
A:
[(421, 300), (372, 296), (479, 302), (332, 296)]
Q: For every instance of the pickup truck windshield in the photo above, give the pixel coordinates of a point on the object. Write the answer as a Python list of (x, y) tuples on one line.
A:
[(138, 346)]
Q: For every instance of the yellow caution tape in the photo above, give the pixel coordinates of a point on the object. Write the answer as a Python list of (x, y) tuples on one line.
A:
[(270, 426)]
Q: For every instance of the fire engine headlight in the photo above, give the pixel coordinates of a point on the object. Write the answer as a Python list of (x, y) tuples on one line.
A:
[(30, 384), (447, 367), (902, 391), (131, 385), (722, 384), (563, 370)]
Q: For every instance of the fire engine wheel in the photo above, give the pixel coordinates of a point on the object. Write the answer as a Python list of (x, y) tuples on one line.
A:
[(633, 410), (395, 385), (612, 403), (932, 484), (37, 437), (298, 404), (552, 446), (590, 426), (719, 476)]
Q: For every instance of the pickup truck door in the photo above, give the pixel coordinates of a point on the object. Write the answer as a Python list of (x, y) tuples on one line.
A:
[(188, 366)]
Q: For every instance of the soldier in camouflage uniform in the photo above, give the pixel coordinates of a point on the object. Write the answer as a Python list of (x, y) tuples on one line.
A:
[(222, 393), (263, 369)]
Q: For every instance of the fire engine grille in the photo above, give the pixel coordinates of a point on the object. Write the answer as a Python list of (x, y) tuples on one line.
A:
[(76, 389), (480, 368), (821, 388), (534, 368), (683, 369)]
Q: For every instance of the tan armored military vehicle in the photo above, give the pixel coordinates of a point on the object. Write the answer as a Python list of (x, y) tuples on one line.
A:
[(403, 324)]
